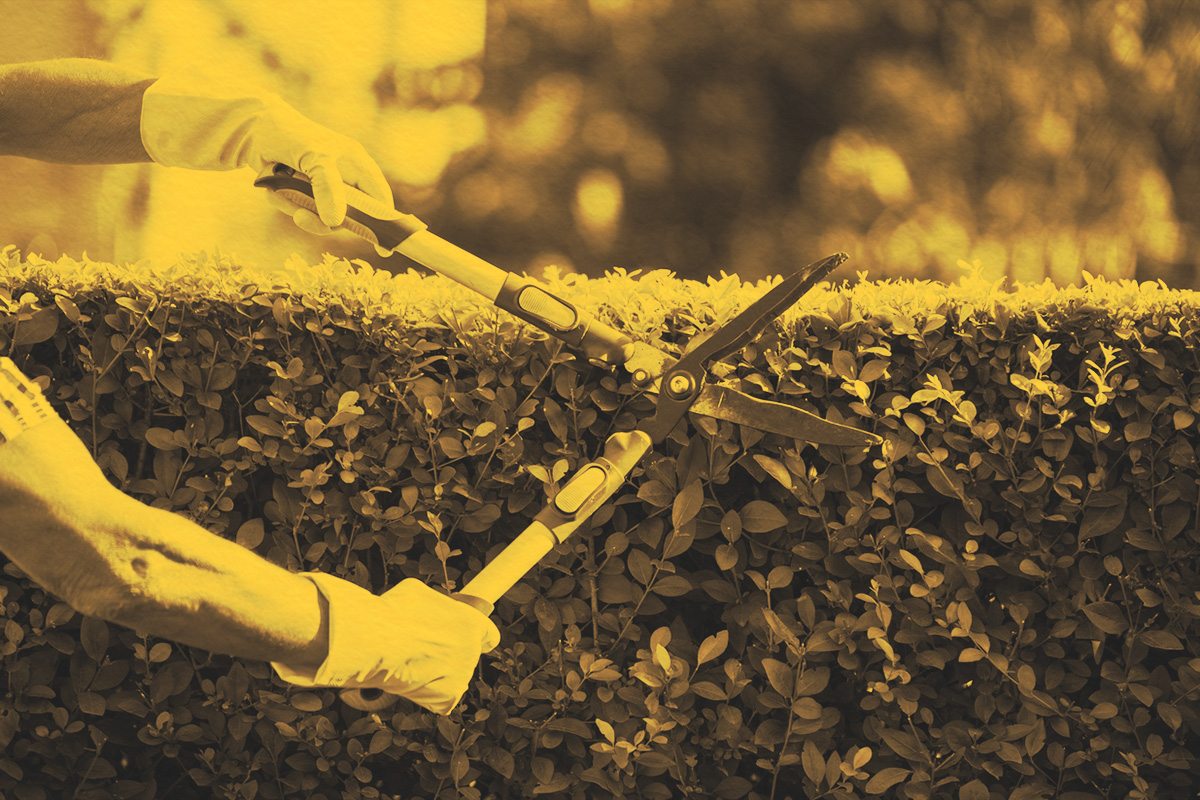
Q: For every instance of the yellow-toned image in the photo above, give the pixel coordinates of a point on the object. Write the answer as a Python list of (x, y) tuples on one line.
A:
[(485, 399)]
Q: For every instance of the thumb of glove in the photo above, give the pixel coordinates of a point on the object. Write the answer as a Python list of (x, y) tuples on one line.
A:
[(329, 190)]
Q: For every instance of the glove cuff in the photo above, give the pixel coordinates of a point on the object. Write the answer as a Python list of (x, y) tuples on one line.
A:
[(202, 124), (357, 621), (22, 404)]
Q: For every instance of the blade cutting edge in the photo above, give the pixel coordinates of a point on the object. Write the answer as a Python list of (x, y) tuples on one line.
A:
[(721, 402)]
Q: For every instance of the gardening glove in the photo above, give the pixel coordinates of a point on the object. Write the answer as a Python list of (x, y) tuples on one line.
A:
[(199, 124), (412, 641)]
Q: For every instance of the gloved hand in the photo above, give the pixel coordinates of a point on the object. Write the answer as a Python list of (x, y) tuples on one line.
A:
[(198, 124), (412, 641)]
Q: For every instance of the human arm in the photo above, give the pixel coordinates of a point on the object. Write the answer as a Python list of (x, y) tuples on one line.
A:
[(110, 556), (81, 111), (72, 111)]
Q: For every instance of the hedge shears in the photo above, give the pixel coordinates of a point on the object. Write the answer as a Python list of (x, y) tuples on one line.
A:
[(680, 384)]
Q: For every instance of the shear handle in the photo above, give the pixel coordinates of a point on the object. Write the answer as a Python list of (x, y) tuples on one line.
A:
[(385, 227)]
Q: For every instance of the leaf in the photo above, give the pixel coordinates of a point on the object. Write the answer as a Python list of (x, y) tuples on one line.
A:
[(813, 761), (92, 703), (712, 647), (306, 701), (1170, 715), (759, 516), (687, 504), (1106, 616), (67, 306), (844, 365), (662, 657), (873, 370), (727, 557), (814, 680), (1137, 431), (161, 438), (1161, 640), (776, 470), (1098, 521), (460, 763), (731, 525), (1026, 678), (904, 744), (780, 628), (639, 566), (912, 561), (672, 586), (780, 675), (1035, 740), (709, 690), (914, 423), (344, 416), (575, 727), (38, 329), (59, 614), (975, 790), (780, 578), (656, 494), (502, 761), (250, 533), (265, 425), (450, 444), (733, 788), (93, 633), (885, 779), (943, 482)]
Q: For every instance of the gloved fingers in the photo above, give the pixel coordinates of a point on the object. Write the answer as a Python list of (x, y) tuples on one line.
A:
[(491, 637), (328, 190), (452, 614), (305, 220), (279, 204), (439, 696), (309, 222), (360, 170)]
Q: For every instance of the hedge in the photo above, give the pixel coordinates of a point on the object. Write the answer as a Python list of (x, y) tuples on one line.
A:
[(1000, 602)]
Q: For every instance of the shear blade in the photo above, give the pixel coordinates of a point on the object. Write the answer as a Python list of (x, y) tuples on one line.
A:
[(721, 402)]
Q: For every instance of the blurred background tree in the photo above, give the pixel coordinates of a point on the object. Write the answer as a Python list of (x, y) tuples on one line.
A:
[(1043, 138)]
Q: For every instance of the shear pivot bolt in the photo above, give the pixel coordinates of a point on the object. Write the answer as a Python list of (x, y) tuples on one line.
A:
[(680, 385)]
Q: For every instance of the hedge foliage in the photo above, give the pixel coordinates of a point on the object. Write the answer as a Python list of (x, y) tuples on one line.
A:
[(1001, 602)]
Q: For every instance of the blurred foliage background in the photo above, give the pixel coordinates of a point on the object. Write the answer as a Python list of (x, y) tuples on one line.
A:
[(1042, 138)]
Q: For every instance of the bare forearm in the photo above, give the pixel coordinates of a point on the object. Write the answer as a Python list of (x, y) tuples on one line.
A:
[(199, 589), (73, 111)]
